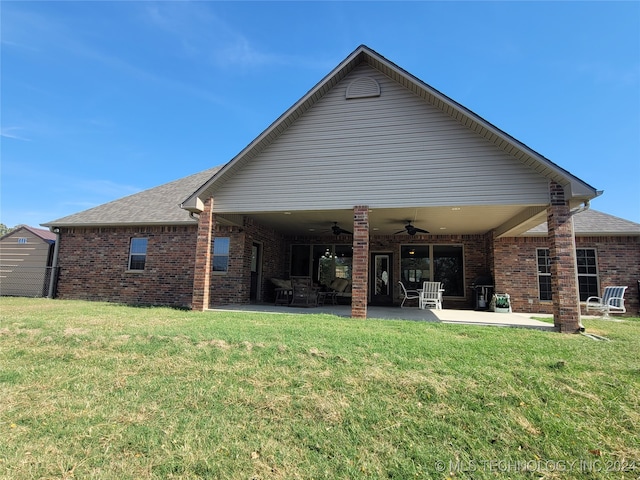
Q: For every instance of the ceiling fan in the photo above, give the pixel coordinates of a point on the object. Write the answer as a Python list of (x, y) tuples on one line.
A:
[(411, 229), (339, 231)]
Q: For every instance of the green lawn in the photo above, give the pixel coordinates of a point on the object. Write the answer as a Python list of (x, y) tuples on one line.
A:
[(94, 390)]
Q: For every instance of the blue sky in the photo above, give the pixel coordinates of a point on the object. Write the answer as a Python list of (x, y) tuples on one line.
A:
[(104, 99)]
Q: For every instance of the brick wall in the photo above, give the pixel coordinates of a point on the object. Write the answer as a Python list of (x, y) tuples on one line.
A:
[(516, 272), (233, 287), (93, 264), (475, 259), (618, 264), (94, 261), (274, 256), (359, 288), (202, 266)]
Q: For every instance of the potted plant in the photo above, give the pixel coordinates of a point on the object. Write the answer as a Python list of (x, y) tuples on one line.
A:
[(501, 303)]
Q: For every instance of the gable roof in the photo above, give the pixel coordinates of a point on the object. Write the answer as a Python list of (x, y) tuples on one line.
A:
[(575, 188), (594, 223), (45, 235), (156, 206)]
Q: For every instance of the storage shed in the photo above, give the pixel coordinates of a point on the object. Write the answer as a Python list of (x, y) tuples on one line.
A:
[(26, 255)]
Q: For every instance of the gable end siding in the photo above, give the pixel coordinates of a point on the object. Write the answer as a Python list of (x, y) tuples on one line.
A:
[(401, 150)]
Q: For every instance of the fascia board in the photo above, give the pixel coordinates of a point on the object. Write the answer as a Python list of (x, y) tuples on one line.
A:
[(189, 221)]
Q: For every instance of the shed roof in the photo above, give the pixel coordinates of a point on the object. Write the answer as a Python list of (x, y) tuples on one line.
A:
[(45, 235), (155, 206)]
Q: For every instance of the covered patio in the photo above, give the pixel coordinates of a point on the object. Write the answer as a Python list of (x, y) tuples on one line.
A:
[(467, 317)]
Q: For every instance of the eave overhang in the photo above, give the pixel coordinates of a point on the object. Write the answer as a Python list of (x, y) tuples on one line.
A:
[(188, 221)]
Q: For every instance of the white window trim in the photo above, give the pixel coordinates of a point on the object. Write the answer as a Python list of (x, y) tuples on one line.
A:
[(131, 254), (538, 274), (214, 255)]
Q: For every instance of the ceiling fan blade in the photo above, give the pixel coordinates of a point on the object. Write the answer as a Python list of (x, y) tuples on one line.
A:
[(400, 231), (338, 230), (420, 230)]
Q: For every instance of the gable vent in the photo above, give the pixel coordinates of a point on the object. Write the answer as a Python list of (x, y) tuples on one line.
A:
[(363, 87)]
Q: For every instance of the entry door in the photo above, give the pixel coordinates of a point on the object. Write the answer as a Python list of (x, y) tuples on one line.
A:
[(380, 282), (254, 292)]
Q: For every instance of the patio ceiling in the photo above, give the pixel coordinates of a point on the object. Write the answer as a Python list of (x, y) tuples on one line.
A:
[(464, 220)]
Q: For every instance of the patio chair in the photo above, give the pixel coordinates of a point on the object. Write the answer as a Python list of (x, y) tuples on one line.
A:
[(431, 295), (612, 301), (305, 294), (408, 294), (282, 290)]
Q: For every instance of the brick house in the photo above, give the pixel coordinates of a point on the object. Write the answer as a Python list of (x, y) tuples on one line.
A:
[(372, 176)]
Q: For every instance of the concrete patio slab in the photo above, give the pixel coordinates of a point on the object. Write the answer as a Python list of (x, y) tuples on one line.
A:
[(468, 317)]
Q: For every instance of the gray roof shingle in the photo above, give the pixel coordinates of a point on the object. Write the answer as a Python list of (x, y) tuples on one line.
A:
[(593, 222), (155, 206)]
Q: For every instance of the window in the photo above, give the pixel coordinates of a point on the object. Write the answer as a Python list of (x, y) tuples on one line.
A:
[(544, 273), (448, 268), (137, 253), (587, 273), (344, 260), (300, 261), (323, 263), (220, 260), (416, 263)]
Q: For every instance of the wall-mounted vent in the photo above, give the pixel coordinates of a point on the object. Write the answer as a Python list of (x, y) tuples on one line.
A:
[(363, 88)]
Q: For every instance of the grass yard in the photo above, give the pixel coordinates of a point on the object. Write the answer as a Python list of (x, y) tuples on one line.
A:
[(94, 390)]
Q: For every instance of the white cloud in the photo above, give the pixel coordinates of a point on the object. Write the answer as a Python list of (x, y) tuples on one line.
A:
[(10, 132), (206, 36)]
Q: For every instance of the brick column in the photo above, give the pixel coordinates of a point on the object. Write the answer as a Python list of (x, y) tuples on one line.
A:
[(564, 276), (202, 267), (360, 273)]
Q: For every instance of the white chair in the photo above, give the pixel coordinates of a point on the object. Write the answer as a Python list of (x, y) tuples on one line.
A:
[(408, 294), (612, 301), (431, 295)]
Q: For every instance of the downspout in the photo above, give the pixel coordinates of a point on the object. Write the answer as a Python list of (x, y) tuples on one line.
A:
[(583, 208), (54, 264)]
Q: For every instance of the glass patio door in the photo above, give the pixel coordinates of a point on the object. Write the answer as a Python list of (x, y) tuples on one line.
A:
[(380, 282)]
